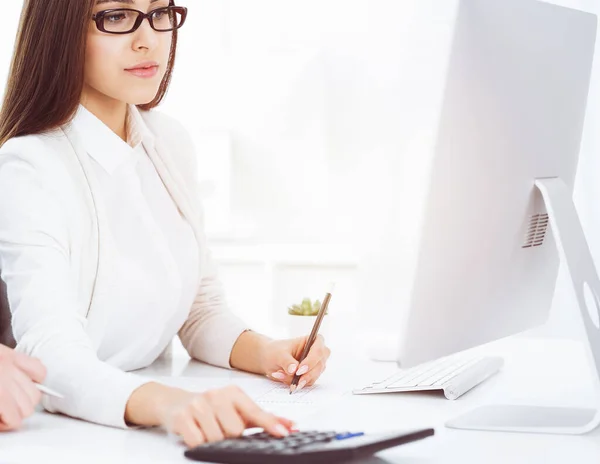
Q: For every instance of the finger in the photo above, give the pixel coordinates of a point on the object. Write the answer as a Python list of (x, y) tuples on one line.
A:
[(189, 430), (20, 397), (32, 394), (288, 424), (10, 417), (281, 377), (319, 367), (256, 417), (311, 378), (318, 352), (31, 366), (205, 417), (230, 422), (286, 362)]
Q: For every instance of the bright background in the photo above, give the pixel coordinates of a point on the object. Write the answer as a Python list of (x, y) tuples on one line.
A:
[(301, 111)]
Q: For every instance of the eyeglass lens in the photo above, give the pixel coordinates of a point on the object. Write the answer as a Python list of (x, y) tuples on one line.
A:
[(124, 20)]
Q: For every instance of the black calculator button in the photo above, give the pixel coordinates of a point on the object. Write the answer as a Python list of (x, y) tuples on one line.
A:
[(220, 444), (236, 446), (258, 445), (279, 446)]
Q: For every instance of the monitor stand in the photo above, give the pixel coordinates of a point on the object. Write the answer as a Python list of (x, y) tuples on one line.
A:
[(574, 253)]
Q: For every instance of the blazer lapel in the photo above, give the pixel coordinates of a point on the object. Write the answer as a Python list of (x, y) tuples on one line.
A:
[(175, 184), (101, 250)]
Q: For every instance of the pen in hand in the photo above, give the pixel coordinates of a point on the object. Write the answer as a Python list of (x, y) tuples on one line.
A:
[(48, 391), (313, 336)]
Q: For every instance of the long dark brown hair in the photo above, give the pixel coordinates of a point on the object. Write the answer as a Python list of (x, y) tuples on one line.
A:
[(46, 75)]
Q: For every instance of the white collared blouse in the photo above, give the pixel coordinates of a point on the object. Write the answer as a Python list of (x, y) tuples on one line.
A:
[(156, 273)]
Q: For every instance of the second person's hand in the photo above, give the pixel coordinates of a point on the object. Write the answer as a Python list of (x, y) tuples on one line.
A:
[(18, 393)]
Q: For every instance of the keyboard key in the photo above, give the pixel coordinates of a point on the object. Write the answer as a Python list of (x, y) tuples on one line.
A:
[(442, 373), (458, 371)]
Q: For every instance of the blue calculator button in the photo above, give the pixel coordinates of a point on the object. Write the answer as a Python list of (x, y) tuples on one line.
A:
[(345, 436)]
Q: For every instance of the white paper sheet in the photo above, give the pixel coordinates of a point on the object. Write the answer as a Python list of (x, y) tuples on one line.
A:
[(271, 396)]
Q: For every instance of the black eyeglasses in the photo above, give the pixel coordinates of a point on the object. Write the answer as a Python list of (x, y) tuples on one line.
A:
[(126, 21)]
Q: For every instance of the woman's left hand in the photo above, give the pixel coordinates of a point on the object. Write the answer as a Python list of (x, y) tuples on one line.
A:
[(280, 360)]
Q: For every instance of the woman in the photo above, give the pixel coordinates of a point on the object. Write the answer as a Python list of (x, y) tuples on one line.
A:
[(101, 238)]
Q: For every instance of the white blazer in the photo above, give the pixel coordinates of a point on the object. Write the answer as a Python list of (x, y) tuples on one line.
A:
[(48, 174)]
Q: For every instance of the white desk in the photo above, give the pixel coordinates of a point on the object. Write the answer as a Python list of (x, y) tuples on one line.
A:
[(547, 371)]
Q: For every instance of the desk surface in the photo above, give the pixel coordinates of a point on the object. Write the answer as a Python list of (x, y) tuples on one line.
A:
[(549, 372)]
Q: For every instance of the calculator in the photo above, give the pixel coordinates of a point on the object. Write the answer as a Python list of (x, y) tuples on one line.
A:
[(302, 447)]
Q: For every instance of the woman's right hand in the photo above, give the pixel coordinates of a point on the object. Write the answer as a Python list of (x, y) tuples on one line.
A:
[(219, 414), (205, 417)]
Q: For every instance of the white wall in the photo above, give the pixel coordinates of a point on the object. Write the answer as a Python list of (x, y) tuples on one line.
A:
[(316, 96)]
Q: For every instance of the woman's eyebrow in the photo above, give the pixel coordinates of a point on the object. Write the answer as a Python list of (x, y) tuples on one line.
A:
[(128, 2), (100, 2)]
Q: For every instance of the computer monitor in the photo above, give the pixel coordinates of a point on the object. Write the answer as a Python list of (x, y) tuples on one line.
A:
[(513, 111), (499, 216)]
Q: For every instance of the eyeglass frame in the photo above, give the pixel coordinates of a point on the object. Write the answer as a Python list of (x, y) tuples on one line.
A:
[(98, 18)]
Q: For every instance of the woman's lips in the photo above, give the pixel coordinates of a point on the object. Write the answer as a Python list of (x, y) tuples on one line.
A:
[(144, 72)]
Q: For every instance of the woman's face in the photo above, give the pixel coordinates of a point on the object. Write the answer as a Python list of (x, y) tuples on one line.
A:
[(111, 60)]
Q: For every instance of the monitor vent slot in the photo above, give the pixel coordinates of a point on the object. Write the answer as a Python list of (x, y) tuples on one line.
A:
[(536, 232)]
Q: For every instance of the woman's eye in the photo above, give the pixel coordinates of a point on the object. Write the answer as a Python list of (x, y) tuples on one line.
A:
[(115, 17), (159, 15)]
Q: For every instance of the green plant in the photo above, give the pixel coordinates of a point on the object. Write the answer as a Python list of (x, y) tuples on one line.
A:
[(306, 308)]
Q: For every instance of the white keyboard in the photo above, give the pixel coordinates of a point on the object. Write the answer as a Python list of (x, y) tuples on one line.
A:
[(454, 375)]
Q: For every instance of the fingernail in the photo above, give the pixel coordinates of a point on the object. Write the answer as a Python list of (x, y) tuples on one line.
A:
[(301, 385), (278, 375), (302, 370), (292, 368), (281, 430)]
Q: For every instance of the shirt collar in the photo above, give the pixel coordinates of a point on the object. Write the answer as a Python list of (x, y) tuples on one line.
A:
[(106, 147), (137, 130)]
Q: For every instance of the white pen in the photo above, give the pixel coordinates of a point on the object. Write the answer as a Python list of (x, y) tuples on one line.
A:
[(48, 391)]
